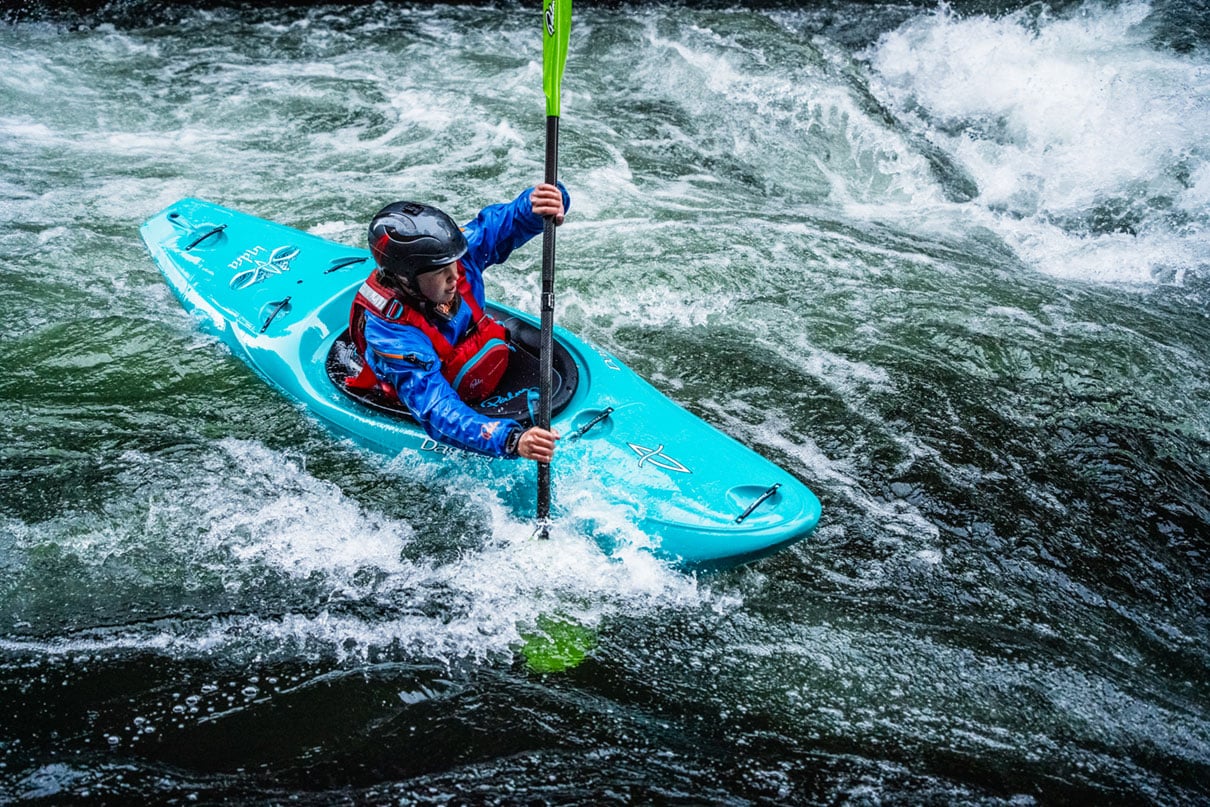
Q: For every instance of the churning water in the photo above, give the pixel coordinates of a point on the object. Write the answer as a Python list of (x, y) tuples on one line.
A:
[(950, 266)]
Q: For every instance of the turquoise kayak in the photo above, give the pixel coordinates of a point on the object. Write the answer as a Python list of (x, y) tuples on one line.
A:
[(279, 298)]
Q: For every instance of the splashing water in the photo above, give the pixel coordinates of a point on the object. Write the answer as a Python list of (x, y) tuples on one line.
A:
[(946, 265)]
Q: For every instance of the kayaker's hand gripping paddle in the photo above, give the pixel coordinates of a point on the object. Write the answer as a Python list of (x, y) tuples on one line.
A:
[(556, 28)]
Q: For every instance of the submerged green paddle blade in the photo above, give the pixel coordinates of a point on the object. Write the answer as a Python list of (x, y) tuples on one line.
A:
[(556, 28), (557, 644)]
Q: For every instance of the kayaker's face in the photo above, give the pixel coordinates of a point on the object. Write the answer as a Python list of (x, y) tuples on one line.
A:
[(441, 285)]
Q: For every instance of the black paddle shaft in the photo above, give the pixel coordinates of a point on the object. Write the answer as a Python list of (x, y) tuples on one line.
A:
[(546, 345)]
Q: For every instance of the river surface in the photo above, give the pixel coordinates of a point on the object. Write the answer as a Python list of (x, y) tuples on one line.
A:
[(950, 266)]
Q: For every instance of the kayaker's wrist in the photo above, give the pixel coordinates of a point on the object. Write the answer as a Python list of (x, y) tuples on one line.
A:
[(513, 442)]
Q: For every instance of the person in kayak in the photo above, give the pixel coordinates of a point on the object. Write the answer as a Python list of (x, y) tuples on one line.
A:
[(419, 325)]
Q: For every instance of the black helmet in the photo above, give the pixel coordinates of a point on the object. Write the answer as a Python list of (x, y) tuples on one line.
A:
[(409, 239)]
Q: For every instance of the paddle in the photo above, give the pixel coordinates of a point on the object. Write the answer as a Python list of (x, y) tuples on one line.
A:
[(556, 27)]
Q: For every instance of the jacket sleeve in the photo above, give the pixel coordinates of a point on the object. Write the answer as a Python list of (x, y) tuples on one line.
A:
[(403, 356), (499, 229)]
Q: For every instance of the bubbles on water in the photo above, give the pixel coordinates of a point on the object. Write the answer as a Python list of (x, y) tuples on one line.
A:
[(243, 556), (301, 570), (1086, 143)]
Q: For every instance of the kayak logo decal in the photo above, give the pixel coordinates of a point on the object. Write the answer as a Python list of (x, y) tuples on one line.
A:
[(497, 401), (609, 360), (278, 261), (658, 458), (550, 18)]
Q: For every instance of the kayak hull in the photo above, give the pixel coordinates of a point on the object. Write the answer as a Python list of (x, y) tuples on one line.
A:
[(279, 298)]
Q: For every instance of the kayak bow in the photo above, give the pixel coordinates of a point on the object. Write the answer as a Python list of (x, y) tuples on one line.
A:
[(279, 298)]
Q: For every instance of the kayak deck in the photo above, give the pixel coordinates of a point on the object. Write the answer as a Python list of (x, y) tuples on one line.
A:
[(515, 397), (279, 298)]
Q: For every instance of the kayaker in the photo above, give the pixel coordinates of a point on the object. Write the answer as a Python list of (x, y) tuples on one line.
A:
[(419, 324)]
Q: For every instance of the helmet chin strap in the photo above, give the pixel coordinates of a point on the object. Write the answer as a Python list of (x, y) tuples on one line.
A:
[(431, 310), (443, 312)]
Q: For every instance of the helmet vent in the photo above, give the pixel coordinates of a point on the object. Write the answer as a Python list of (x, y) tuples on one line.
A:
[(403, 238), (409, 238)]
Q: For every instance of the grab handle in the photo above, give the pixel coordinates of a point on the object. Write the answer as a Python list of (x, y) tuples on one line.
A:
[(580, 432), (205, 235), (341, 263), (759, 501), (278, 307)]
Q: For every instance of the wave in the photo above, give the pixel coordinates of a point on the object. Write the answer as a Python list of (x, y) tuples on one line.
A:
[(1086, 141)]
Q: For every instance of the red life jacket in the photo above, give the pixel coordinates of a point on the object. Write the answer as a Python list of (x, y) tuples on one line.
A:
[(473, 366)]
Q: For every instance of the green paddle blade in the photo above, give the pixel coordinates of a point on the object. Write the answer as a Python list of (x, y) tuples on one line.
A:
[(557, 644), (556, 28)]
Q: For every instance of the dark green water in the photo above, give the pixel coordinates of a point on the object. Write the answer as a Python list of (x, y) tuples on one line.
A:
[(952, 269)]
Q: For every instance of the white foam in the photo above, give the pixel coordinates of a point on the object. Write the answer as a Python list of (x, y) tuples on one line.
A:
[(1065, 124), (258, 521), (19, 129)]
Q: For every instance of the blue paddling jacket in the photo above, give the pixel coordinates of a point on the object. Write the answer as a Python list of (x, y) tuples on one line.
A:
[(404, 357)]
